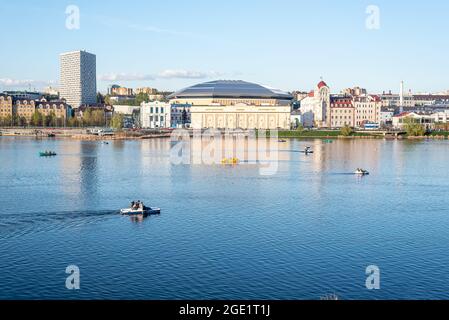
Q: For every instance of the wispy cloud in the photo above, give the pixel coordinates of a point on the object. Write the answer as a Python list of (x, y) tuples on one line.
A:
[(187, 74), (166, 74), (125, 77), (19, 83)]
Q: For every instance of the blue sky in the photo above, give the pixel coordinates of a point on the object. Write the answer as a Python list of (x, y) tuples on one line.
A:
[(288, 44)]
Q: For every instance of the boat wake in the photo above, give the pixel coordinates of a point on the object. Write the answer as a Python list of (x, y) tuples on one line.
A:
[(19, 224)]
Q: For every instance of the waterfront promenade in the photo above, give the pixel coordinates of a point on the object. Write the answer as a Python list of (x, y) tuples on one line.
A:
[(85, 134)]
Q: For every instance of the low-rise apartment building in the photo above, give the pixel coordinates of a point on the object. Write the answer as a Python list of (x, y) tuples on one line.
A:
[(24, 109), (6, 104), (400, 120), (146, 90), (441, 116), (180, 115), (154, 115), (386, 117), (342, 112), (120, 91), (367, 109), (59, 109), (430, 99), (390, 100)]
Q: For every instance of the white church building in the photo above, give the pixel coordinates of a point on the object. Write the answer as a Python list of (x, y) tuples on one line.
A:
[(315, 108)]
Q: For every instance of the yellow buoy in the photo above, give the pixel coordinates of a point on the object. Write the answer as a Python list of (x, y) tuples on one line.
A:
[(230, 161)]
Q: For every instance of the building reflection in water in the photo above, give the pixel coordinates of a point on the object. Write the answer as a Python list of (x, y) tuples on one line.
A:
[(70, 166), (89, 172), (139, 218), (155, 153), (79, 169)]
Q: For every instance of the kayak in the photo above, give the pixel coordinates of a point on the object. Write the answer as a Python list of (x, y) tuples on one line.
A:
[(47, 154), (146, 210)]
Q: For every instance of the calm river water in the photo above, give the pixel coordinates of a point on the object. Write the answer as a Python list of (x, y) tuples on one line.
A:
[(224, 232)]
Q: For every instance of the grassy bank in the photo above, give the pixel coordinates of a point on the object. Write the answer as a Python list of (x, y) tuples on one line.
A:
[(335, 134), (439, 134), (321, 134)]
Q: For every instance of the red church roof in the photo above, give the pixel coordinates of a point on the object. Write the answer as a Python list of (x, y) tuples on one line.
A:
[(322, 84)]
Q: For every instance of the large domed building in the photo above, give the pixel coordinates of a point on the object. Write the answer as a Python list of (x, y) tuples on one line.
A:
[(229, 104)]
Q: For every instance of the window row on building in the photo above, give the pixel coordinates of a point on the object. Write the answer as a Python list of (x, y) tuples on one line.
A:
[(26, 108)]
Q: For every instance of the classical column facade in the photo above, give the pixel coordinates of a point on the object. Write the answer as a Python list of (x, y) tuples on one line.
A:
[(250, 117)]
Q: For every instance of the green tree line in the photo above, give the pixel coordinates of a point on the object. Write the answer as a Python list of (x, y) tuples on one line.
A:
[(37, 120), (91, 118)]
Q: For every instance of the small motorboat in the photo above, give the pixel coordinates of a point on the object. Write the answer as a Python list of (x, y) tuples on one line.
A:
[(361, 172), (48, 154), (307, 150), (144, 211), (282, 141), (51, 135)]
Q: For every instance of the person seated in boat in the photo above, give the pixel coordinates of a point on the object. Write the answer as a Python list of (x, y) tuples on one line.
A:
[(137, 205), (133, 204), (141, 206)]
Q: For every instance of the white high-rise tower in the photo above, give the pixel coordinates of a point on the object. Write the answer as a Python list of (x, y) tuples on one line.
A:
[(78, 78)]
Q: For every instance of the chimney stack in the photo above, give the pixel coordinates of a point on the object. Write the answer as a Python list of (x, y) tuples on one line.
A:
[(401, 96)]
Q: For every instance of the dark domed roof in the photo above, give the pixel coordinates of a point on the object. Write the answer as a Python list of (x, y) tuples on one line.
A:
[(230, 89)]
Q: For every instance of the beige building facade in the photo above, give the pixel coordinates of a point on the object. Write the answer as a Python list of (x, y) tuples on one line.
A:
[(121, 91), (5, 106), (24, 108), (367, 110), (146, 90), (58, 108), (240, 116), (342, 112)]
